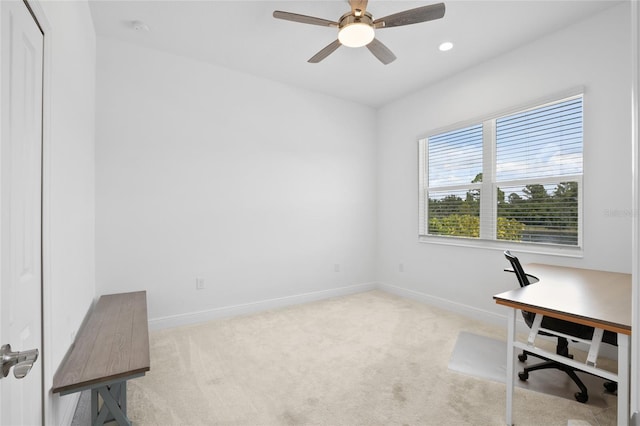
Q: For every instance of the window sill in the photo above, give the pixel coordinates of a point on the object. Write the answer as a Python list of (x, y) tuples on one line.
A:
[(546, 249)]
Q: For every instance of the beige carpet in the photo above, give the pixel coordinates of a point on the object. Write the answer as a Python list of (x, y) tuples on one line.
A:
[(366, 359)]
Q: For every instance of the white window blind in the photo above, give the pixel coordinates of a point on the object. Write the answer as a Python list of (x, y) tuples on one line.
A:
[(539, 173), (455, 173), (542, 142), (528, 166)]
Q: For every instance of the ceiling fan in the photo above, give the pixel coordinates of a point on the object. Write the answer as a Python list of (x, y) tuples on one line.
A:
[(357, 28)]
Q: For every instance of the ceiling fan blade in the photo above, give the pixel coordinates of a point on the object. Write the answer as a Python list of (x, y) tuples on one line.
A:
[(360, 5), (381, 51), (288, 16), (411, 16), (325, 52)]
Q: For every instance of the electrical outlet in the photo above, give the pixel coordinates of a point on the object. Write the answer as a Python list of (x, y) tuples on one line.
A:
[(199, 283)]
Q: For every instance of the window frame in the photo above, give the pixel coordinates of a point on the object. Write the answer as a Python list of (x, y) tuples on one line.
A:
[(489, 187)]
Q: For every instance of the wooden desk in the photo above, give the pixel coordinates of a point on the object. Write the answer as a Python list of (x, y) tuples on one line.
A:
[(111, 348), (595, 298)]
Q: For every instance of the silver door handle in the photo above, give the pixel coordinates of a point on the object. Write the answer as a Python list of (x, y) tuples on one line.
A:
[(20, 361)]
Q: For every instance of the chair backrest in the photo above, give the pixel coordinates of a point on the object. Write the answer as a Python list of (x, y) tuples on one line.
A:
[(517, 268), (523, 280)]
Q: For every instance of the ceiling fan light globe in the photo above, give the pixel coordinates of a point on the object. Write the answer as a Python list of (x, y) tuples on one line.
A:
[(357, 34)]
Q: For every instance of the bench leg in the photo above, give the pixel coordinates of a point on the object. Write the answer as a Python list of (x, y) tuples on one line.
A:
[(114, 407), (94, 406)]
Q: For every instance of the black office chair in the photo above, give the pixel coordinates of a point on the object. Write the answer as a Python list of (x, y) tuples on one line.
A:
[(562, 346)]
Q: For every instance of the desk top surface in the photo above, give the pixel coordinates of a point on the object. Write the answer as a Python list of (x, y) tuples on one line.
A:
[(113, 344), (596, 298)]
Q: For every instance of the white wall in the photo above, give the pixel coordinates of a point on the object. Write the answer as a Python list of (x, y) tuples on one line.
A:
[(254, 186), (595, 54), (69, 186)]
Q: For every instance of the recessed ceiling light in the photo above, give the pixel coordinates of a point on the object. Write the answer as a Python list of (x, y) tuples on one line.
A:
[(447, 45)]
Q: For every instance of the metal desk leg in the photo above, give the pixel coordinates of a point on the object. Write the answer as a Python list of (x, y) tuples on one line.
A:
[(623, 379), (511, 337)]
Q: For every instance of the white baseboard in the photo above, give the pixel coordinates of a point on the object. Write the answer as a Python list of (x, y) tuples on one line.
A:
[(459, 308), (253, 307), (263, 305)]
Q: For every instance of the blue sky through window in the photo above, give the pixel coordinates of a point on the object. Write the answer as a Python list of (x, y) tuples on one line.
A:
[(537, 143), (455, 158), (542, 142)]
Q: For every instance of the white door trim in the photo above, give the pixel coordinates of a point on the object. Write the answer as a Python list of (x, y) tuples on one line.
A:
[(635, 262), (47, 367)]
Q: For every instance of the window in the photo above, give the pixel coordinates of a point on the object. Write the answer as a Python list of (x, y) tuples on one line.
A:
[(515, 177)]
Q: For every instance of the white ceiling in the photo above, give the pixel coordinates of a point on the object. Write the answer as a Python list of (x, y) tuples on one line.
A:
[(243, 35)]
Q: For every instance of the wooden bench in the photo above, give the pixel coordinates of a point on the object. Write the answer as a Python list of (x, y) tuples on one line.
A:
[(111, 348)]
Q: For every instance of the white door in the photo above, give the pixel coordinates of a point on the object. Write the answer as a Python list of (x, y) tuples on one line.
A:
[(21, 47)]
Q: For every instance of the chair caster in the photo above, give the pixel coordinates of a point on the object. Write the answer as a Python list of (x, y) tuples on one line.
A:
[(522, 357), (523, 375), (611, 387), (581, 397)]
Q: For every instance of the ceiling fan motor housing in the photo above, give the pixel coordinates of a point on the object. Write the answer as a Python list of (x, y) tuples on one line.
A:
[(349, 18)]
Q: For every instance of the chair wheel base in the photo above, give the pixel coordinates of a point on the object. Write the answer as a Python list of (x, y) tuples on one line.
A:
[(611, 386), (523, 375), (581, 397), (522, 357)]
